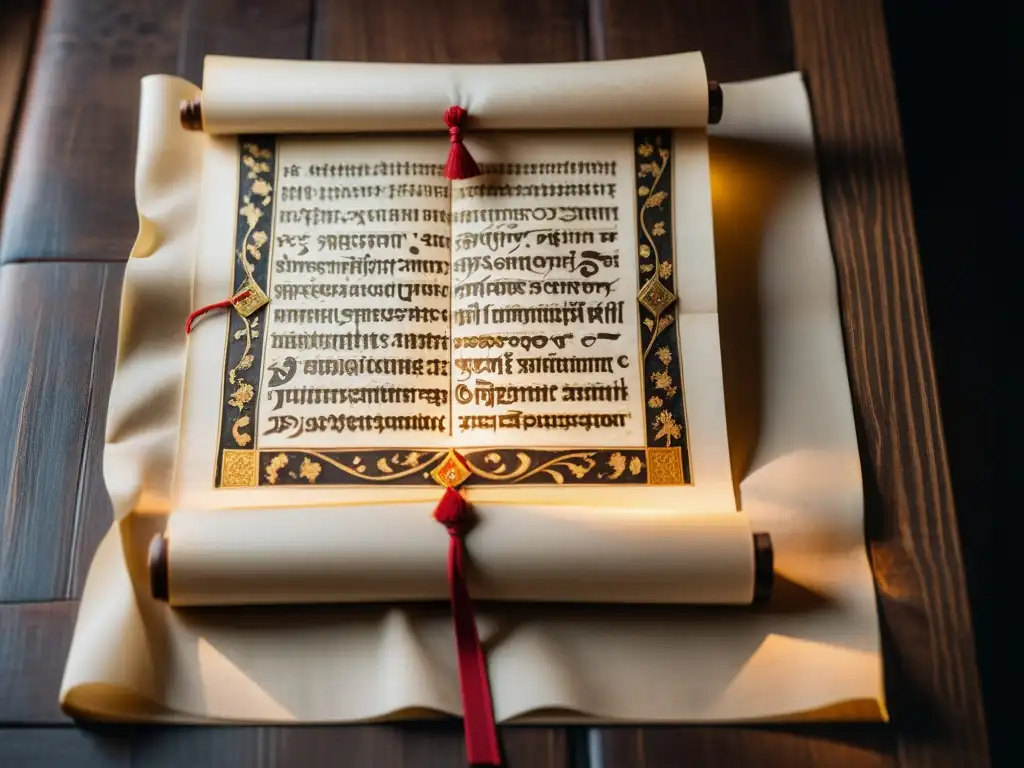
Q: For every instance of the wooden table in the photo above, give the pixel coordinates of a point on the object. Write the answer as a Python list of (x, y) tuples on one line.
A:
[(69, 222)]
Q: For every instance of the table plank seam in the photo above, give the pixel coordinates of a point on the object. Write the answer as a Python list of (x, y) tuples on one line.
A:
[(83, 466)]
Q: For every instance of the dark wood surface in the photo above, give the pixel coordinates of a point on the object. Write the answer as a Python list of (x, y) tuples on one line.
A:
[(69, 219)]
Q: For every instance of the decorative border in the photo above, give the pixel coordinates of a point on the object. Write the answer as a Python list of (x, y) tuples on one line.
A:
[(244, 351), (663, 381), (665, 460)]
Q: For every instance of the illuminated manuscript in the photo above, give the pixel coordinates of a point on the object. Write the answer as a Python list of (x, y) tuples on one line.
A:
[(524, 317)]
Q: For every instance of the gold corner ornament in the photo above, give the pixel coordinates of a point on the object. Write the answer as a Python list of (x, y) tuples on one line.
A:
[(249, 297), (655, 296), (452, 471)]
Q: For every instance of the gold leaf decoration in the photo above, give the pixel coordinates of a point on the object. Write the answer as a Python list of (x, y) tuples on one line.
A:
[(658, 229), (411, 459), (656, 199), (261, 187), (636, 466), (665, 355), (310, 470), (665, 270), (645, 251), (643, 192), (242, 395), (242, 439), (276, 464), (645, 149), (655, 402), (578, 470), (251, 213), (646, 267), (663, 381), (618, 464), (649, 323), (382, 465), (668, 428)]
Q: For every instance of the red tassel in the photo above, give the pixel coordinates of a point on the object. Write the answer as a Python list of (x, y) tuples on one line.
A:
[(477, 710), (461, 164), (196, 314)]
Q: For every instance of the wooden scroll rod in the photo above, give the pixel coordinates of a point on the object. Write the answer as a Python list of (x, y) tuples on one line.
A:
[(191, 110), (764, 568)]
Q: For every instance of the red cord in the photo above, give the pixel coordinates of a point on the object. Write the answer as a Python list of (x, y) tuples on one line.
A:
[(461, 164), (477, 709), (196, 314)]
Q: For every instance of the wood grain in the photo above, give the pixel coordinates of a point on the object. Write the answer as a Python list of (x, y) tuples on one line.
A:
[(53, 747), (17, 41), (464, 31), (71, 182), (740, 39), (34, 641), (49, 326), (931, 674)]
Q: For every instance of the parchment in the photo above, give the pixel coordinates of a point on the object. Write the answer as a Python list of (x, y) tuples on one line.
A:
[(271, 96), (814, 653), (571, 554)]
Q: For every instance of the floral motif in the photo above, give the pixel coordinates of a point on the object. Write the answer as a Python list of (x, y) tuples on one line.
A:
[(656, 199), (253, 210), (242, 395), (309, 470), (618, 464), (276, 464), (655, 402), (665, 355), (652, 173), (667, 428), (635, 466), (663, 381), (578, 464)]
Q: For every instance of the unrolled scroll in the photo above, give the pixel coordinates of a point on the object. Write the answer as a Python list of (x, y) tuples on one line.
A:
[(270, 96), (398, 553)]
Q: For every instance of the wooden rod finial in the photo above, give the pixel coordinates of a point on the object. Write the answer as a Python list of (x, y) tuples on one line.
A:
[(159, 586), (764, 568), (191, 111), (715, 102)]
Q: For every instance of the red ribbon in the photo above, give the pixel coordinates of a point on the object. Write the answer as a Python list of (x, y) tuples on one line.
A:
[(196, 314), (461, 164), (477, 710)]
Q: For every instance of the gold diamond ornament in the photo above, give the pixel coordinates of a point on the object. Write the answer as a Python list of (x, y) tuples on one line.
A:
[(256, 298), (452, 471), (655, 297)]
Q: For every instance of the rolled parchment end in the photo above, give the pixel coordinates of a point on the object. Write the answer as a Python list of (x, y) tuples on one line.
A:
[(158, 578), (191, 111), (715, 102), (764, 568)]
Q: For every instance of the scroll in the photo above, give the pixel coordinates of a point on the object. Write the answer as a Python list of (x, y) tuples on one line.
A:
[(546, 328), (280, 556)]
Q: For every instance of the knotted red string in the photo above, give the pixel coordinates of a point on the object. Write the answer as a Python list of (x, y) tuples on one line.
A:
[(461, 164), (477, 710), (196, 314)]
